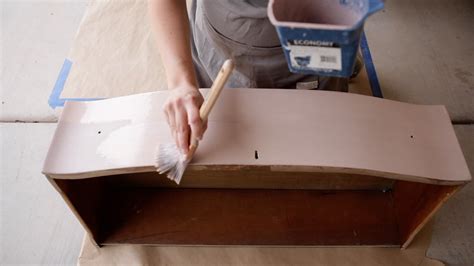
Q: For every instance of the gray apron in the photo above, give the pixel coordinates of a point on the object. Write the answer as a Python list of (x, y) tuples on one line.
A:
[(242, 31)]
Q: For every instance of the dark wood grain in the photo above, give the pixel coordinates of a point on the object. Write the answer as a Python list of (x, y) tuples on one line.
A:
[(248, 217), (415, 203), (121, 210), (84, 196)]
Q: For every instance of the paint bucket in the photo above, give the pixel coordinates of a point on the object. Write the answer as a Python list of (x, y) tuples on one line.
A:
[(321, 37)]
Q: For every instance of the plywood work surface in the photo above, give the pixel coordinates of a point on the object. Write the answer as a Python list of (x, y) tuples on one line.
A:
[(290, 131)]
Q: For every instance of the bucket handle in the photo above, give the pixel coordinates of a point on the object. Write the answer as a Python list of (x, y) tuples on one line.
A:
[(374, 6)]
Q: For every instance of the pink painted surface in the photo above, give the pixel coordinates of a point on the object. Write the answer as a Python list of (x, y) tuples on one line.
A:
[(291, 130), (321, 14)]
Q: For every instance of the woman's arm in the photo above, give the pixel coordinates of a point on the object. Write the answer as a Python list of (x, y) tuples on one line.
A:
[(171, 26)]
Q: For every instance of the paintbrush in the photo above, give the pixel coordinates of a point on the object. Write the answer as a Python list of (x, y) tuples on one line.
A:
[(169, 159)]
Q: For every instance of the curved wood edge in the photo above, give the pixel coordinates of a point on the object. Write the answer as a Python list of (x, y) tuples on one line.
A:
[(196, 169), (79, 121)]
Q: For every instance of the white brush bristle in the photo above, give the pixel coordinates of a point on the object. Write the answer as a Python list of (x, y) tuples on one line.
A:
[(171, 161)]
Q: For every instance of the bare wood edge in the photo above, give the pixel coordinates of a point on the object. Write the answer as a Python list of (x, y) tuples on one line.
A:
[(282, 168), (73, 209), (269, 246), (427, 218)]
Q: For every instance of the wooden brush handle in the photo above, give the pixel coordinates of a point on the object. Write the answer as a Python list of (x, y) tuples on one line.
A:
[(211, 99), (216, 89)]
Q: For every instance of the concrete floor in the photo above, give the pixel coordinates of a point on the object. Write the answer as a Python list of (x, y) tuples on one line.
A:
[(36, 226), (36, 38)]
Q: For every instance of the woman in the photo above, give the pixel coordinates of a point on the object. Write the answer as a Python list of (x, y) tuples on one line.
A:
[(194, 49)]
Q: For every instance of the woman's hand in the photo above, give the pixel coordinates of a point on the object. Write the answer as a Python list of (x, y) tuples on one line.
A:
[(169, 19), (182, 113)]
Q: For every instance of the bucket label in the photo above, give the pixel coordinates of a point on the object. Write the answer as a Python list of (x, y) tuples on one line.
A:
[(315, 54)]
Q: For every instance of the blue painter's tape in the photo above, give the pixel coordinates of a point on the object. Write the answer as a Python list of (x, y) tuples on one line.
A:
[(55, 99), (370, 67)]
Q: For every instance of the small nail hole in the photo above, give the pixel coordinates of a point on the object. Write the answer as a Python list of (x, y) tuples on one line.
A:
[(98, 132), (256, 155), (411, 136)]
